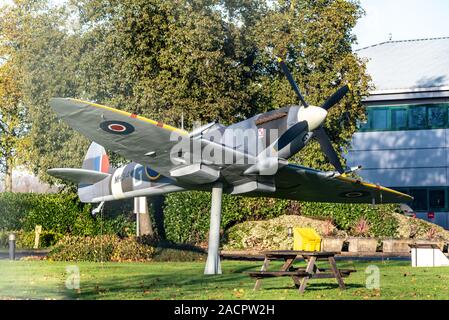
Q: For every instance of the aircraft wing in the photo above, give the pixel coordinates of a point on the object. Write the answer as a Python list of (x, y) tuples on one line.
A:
[(137, 138), (301, 183)]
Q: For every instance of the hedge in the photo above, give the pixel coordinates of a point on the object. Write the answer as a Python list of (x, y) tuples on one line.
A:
[(58, 214), (187, 214)]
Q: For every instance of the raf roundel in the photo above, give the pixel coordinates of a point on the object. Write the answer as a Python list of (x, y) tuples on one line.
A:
[(117, 127), (354, 194)]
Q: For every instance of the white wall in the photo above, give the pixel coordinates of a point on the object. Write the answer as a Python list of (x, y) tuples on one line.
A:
[(402, 158)]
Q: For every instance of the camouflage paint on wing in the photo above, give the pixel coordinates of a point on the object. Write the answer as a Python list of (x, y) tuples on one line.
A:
[(129, 135)]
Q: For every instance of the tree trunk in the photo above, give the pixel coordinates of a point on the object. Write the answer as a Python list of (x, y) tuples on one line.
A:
[(8, 176), (145, 224)]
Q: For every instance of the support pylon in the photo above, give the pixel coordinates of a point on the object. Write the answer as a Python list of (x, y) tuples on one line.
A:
[(213, 265)]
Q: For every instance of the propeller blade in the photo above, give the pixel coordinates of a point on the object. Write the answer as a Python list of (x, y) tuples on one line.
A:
[(336, 97), (292, 82), (291, 134), (326, 146)]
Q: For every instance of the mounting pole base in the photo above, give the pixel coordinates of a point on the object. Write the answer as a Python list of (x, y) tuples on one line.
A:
[(213, 265)]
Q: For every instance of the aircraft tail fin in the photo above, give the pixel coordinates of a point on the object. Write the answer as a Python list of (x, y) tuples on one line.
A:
[(96, 159)]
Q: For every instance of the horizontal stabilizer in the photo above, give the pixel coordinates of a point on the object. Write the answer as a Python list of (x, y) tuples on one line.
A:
[(80, 176)]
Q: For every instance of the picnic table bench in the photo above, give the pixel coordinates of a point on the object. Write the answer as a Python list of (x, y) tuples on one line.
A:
[(300, 276)]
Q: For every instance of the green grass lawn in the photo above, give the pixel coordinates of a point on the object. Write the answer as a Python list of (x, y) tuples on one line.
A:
[(169, 280)]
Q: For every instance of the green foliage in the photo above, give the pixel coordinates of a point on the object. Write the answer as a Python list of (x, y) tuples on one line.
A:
[(187, 214), (178, 255), (100, 248), (208, 59), (4, 239), (25, 239), (130, 249), (95, 249), (346, 216), (57, 214), (61, 213), (13, 209)]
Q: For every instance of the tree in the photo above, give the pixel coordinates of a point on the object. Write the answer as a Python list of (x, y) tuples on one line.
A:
[(13, 138), (45, 56), (314, 36), (13, 126), (166, 58)]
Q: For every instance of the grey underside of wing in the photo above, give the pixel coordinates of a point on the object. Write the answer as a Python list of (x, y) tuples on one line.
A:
[(146, 137), (300, 183), (80, 176)]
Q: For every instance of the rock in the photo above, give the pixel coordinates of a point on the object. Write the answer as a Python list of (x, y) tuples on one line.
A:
[(332, 244), (395, 245), (362, 244)]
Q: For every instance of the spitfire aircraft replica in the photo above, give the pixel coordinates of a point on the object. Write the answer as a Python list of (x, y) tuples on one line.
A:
[(248, 158)]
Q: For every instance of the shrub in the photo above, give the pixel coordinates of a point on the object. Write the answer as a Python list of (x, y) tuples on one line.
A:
[(178, 255), (101, 248), (129, 249), (187, 214), (328, 228), (25, 239), (381, 219), (72, 248), (361, 228), (4, 238), (49, 238), (432, 233)]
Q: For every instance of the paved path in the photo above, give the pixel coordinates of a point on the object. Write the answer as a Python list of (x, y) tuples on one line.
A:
[(4, 255)]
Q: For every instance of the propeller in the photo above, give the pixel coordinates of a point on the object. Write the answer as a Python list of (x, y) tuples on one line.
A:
[(327, 148), (336, 97), (292, 82), (316, 113), (290, 135)]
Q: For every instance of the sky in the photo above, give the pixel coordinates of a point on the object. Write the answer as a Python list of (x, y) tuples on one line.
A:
[(403, 19)]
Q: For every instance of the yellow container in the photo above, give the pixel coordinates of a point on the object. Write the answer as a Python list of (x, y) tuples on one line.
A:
[(306, 239)]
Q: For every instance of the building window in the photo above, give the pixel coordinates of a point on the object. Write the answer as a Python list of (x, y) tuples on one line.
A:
[(417, 117), (399, 119), (406, 117), (420, 199), (379, 119), (437, 116), (437, 199)]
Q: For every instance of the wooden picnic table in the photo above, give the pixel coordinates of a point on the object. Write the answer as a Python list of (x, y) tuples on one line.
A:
[(300, 276)]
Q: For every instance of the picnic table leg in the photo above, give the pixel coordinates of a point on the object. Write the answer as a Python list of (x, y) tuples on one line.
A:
[(287, 264), (297, 281), (336, 273), (310, 270), (266, 262)]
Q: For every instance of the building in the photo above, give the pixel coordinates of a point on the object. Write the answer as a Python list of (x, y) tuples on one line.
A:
[(404, 143)]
